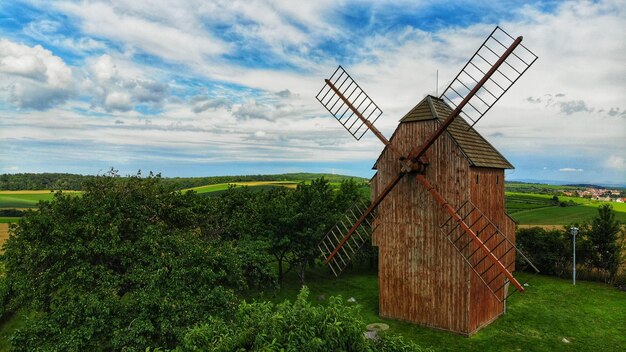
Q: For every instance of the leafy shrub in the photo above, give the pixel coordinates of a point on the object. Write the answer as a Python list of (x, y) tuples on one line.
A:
[(297, 326), (547, 249)]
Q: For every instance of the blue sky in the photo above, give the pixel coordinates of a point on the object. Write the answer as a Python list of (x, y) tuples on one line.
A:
[(192, 88)]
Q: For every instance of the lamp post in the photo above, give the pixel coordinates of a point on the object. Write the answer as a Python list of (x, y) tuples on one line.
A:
[(574, 232)]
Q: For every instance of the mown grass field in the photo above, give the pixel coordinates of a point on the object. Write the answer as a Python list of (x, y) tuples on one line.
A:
[(537, 209), (219, 187), (23, 199), (589, 315)]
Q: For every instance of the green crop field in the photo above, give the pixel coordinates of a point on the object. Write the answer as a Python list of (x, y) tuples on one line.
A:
[(253, 184), (23, 200), (589, 315), (538, 209), (8, 219)]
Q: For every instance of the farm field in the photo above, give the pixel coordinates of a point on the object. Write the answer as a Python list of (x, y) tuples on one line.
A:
[(589, 315), (220, 187), (537, 209), (23, 199), (4, 232)]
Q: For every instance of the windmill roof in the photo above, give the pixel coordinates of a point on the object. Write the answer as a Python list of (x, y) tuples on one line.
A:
[(478, 151)]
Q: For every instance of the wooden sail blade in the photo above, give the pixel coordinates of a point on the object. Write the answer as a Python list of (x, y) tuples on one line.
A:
[(346, 232), (514, 65), (350, 105), (487, 253), (497, 242), (418, 152), (349, 248)]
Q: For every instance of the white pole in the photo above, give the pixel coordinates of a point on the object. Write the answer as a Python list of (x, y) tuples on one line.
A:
[(574, 231)]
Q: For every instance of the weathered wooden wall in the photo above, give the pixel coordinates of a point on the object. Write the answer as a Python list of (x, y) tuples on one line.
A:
[(487, 194), (422, 278)]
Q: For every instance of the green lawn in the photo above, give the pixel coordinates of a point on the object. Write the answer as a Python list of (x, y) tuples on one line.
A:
[(589, 315), (254, 184), (13, 200), (537, 209), (8, 219)]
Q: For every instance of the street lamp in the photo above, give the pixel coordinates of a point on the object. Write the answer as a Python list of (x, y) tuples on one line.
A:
[(574, 232)]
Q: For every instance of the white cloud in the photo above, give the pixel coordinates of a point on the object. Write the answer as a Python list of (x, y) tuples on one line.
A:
[(571, 101), (33, 76), (116, 86), (51, 32), (179, 41), (118, 101), (570, 169), (11, 169), (616, 162)]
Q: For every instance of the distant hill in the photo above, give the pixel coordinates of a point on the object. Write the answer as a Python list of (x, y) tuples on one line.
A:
[(585, 185), (569, 183), (62, 181)]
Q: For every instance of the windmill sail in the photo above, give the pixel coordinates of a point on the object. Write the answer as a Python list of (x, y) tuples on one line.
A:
[(337, 252), (489, 53), (478, 259), (345, 100)]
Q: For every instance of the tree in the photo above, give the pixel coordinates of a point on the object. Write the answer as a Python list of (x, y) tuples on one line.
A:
[(603, 238), (549, 251), (124, 266), (348, 193)]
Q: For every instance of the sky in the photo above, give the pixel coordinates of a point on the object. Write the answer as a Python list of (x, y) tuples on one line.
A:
[(202, 88)]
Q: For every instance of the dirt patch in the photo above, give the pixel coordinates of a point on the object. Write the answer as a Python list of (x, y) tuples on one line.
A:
[(4, 233)]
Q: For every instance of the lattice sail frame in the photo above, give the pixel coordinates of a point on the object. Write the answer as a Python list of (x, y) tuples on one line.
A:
[(497, 242), (499, 83), (332, 239), (340, 110)]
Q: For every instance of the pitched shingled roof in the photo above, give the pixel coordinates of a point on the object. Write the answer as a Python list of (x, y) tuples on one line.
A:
[(477, 150)]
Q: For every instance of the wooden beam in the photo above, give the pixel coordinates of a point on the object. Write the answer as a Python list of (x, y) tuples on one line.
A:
[(447, 207), (367, 212)]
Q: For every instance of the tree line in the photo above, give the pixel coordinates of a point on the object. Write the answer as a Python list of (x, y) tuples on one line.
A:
[(600, 248), (74, 182)]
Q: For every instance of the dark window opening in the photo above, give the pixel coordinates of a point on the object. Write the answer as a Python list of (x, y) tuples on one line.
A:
[(476, 179), (497, 179)]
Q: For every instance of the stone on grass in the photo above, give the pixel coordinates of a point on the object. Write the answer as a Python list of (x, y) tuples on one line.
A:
[(565, 340), (351, 300), (377, 327)]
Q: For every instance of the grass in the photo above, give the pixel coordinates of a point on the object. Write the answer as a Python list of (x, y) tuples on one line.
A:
[(224, 186), (8, 219), (537, 209), (15, 322), (23, 200), (589, 315), (26, 199)]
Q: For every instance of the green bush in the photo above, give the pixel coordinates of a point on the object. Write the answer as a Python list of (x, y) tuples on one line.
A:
[(297, 326), (548, 250)]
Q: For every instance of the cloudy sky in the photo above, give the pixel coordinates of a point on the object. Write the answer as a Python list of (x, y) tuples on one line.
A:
[(192, 88)]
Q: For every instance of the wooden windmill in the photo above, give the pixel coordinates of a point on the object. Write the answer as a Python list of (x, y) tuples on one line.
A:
[(446, 246)]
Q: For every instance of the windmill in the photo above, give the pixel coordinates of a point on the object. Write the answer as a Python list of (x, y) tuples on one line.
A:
[(446, 246)]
